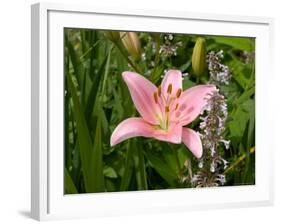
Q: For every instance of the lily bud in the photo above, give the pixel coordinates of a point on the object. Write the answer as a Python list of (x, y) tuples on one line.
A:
[(131, 42), (199, 56), (112, 35)]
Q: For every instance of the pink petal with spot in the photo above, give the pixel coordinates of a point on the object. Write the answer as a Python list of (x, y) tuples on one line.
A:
[(193, 142), (192, 102)]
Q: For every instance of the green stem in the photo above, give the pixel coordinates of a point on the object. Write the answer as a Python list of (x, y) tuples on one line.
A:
[(106, 71), (89, 49), (240, 159), (129, 164), (134, 66), (126, 179), (140, 169)]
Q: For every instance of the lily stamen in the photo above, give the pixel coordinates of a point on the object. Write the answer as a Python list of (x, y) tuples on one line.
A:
[(179, 93), (155, 97), (170, 88), (159, 91)]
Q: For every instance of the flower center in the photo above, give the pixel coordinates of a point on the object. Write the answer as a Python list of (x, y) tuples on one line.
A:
[(168, 104)]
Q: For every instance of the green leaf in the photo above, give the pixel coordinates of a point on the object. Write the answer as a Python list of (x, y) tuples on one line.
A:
[(125, 182), (69, 187), (237, 126), (106, 70), (84, 139), (185, 66), (249, 106), (184, 154), (97, 161), (94, 90), (242, 73), (241, 43), (139, 166), (169, 156), (109, 172), (162, 168), (75, 61), (157, 72), (245, 95), (187, 83)]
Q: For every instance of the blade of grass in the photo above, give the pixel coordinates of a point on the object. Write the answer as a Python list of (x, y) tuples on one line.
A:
[(94, 90), (240, 159), (67, 148), (69, 187), (83, 39), (93, 41), (84, 139), (236, 42), (125, 182), (97, 161), (106, 70), (89, 50), (139, 166), (76, 63), (162, 168)]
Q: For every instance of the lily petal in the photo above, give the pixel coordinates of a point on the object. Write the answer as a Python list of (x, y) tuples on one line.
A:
[(129, 128), (142, 91), (134, 127), (173, 77), (192, 101), (192, 140)]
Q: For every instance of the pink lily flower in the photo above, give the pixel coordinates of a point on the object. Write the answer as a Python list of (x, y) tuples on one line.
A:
[(164, 110)]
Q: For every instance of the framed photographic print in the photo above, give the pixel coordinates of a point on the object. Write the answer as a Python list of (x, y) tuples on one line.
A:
[(148, 111)]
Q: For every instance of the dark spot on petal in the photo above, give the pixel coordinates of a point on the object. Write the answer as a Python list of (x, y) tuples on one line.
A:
[(182, 107), (190, 110)]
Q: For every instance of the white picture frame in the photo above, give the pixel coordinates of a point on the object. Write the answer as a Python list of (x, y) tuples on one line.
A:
[(48, 201)]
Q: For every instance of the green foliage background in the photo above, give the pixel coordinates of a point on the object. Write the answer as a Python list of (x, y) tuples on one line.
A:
[(97, 100)]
